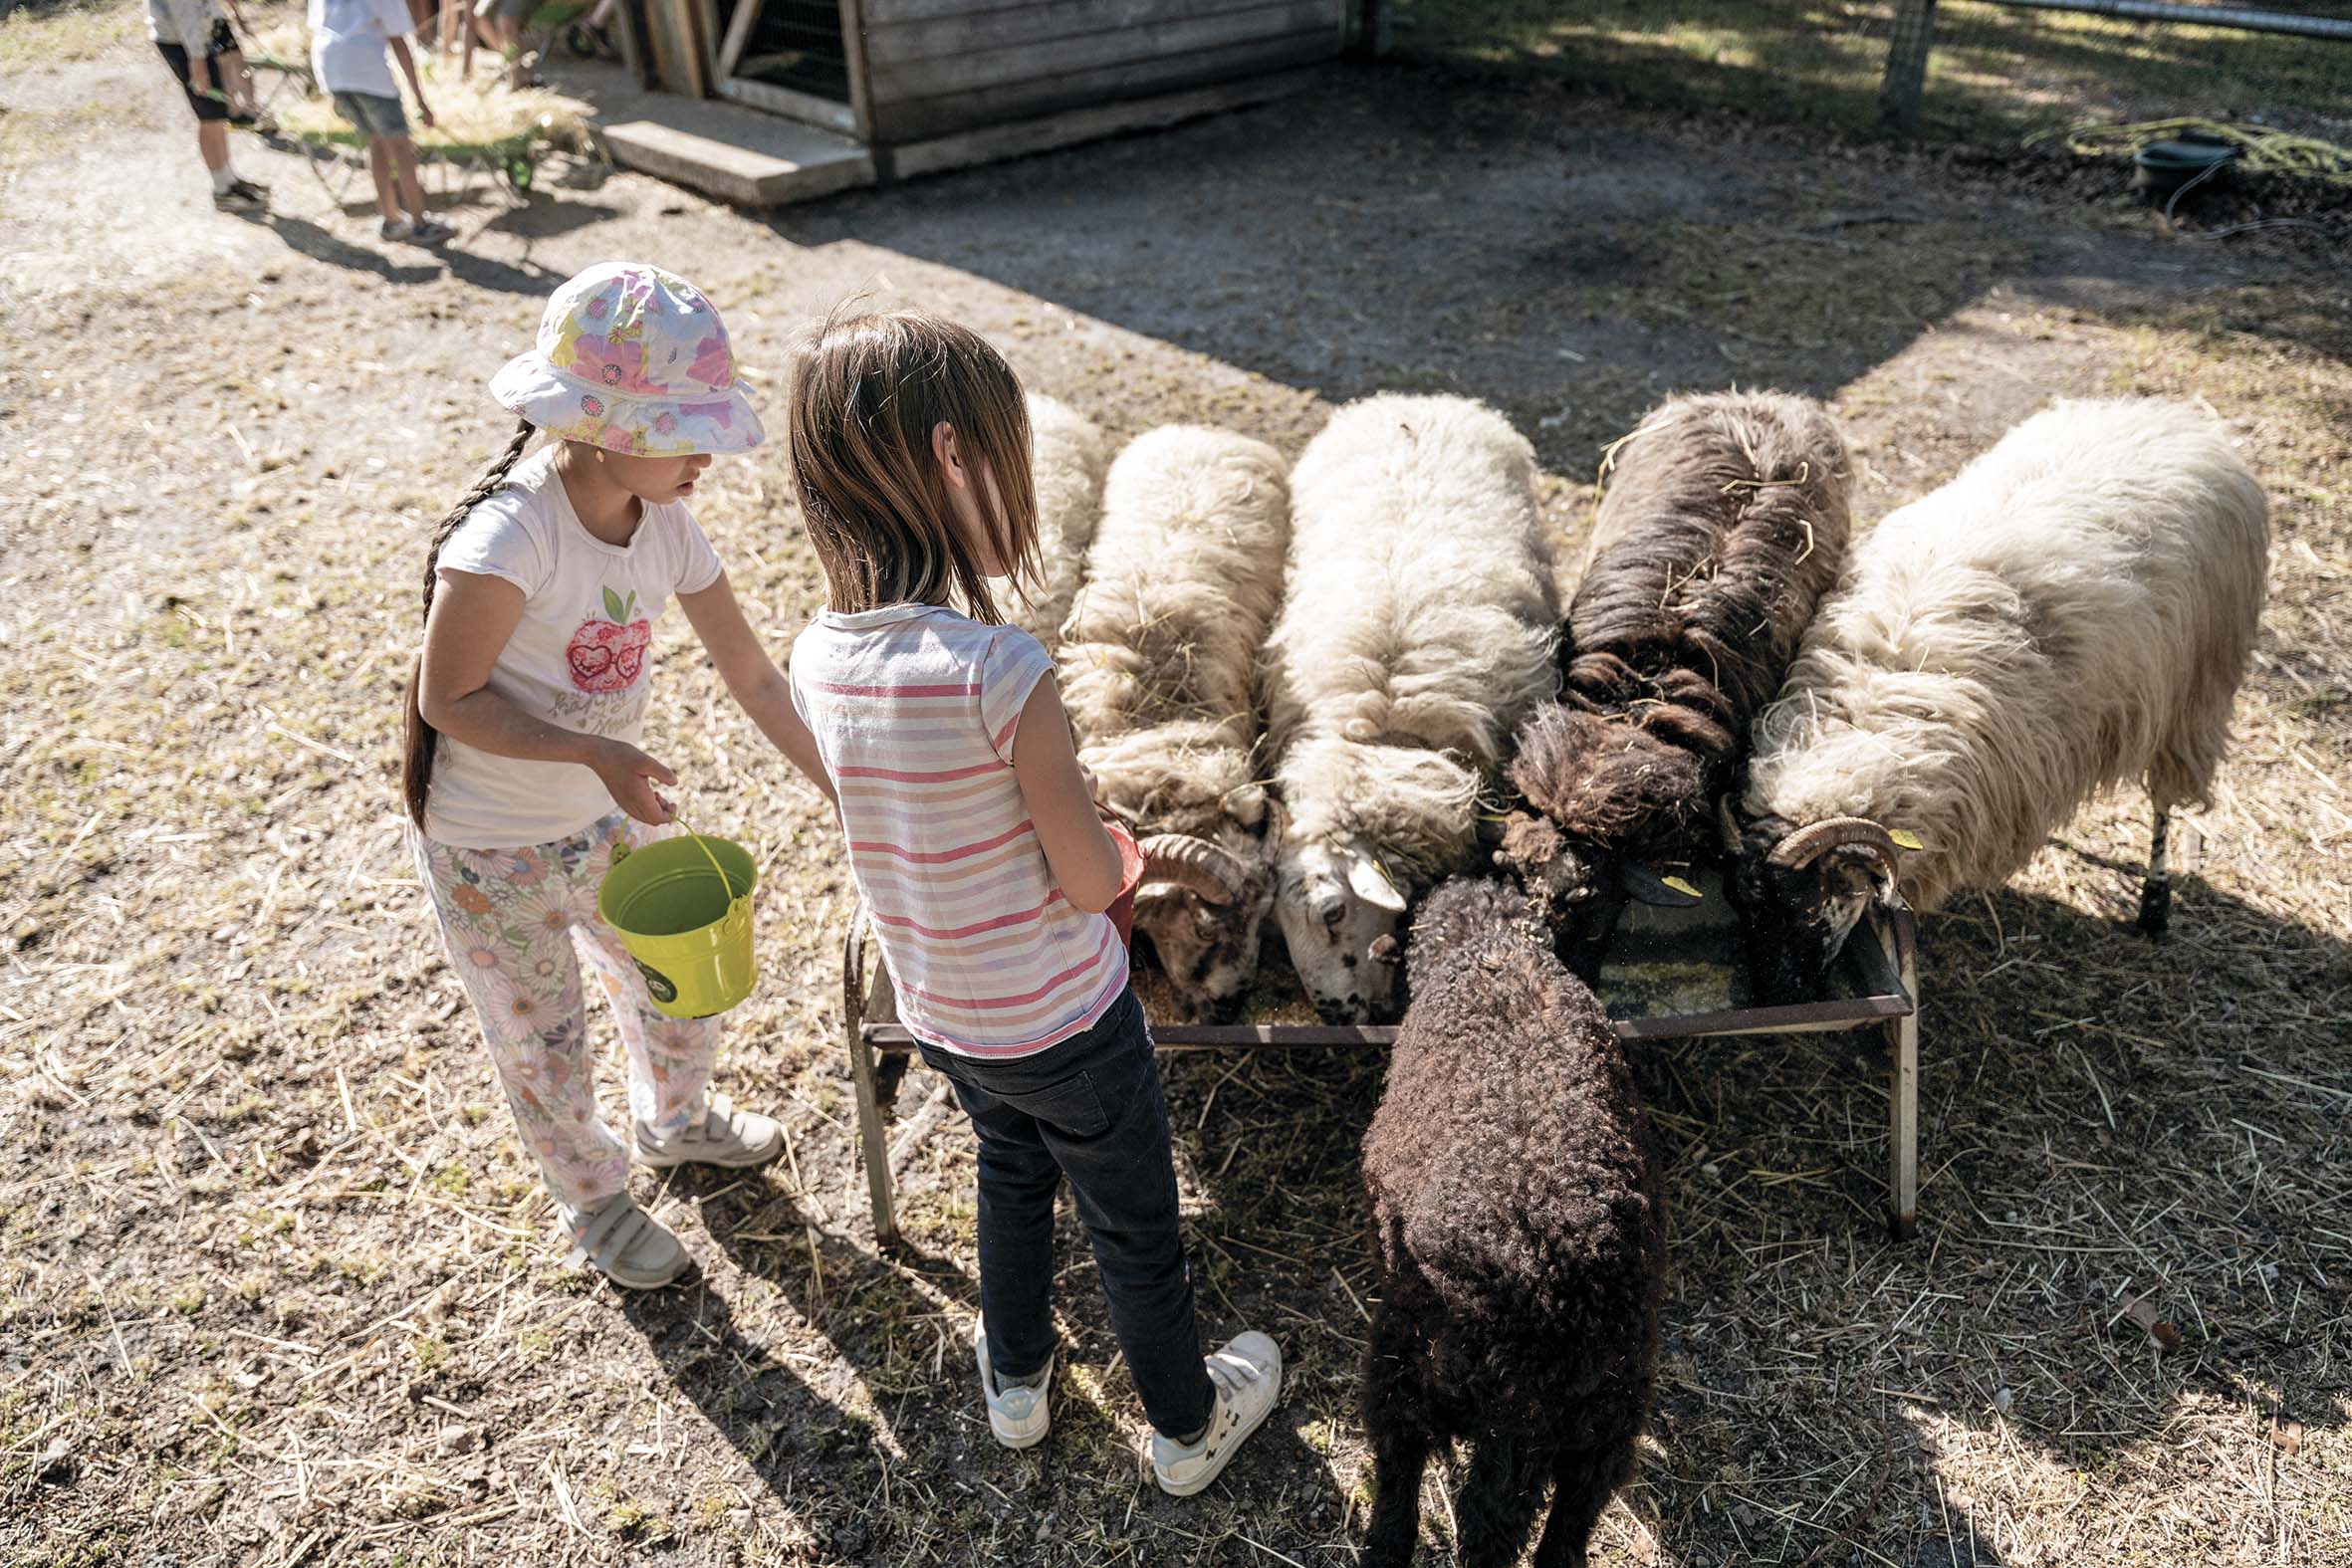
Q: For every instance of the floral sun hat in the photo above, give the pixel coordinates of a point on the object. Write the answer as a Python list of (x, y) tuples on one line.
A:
[(632, 358)]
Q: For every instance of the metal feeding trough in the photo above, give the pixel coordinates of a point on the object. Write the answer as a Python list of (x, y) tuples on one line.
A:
[(1666, 974)]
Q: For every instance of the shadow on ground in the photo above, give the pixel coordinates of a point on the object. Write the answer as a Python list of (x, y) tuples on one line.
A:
[(2086, 1109), (1407, 229)]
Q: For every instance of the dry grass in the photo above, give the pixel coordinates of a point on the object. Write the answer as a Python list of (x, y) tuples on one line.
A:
[(477, 111), (274, 1282)]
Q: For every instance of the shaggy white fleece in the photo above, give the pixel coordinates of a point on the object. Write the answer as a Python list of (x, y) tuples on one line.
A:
[(2073, 613), (1158, 667), (1417, 632)]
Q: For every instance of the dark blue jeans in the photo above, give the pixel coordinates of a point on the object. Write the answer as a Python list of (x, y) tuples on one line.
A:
[(1089, 1108)]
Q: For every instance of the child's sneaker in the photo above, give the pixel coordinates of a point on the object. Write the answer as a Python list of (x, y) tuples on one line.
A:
[(1016, 1412), (242, 196), (395, 229), (432, 231), (1247, 1373), (627, 1245), (726, 1136)]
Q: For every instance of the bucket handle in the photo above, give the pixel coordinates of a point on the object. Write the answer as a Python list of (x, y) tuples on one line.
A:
[(725, 886)]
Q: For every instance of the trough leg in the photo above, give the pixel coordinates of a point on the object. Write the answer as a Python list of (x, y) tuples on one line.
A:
[(1903, 1100), (2156, 894), (872, 1147)]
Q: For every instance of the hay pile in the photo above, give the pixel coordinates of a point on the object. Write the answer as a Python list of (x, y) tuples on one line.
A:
[(470, 112)]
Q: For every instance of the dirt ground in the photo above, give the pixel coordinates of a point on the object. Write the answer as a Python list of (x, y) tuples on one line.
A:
[(276, 1285)]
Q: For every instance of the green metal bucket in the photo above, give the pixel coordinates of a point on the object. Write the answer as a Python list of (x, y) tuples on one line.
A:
[(683, 908)]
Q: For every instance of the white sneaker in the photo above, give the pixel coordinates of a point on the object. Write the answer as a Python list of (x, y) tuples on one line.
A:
[(623, 1242), (1017, 1413), (1247, 1373), (396, 229), (726, 1136)]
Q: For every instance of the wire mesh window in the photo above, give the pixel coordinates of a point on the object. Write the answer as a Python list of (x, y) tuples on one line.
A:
[(797, 44)]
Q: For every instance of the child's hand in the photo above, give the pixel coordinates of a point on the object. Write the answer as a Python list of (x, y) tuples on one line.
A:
[(424, 113), (630, 774), (199, 75)]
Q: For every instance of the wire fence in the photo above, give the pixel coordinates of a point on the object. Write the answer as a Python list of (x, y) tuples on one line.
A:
[(1979, 71)]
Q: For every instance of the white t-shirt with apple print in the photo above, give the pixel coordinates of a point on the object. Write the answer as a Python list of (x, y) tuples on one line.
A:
[(581, 657)]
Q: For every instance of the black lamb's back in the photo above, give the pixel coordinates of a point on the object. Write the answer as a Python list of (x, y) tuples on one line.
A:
[(1516, 1201)]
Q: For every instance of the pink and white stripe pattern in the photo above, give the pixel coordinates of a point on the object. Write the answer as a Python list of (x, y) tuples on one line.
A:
[(914, 709)]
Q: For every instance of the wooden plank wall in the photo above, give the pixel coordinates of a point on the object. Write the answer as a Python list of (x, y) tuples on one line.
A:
[(934, 66)]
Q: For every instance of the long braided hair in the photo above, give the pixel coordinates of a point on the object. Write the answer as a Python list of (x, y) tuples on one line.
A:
[(419, 740)]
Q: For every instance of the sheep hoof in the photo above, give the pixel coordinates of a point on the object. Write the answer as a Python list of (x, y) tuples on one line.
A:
[(2156, 909)]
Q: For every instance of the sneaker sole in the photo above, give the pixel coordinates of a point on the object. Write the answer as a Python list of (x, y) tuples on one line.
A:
[(1193, 1488), (1014, 1439), (643, 1281)]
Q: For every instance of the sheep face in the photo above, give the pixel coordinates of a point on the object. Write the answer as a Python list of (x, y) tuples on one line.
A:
[(1800, 895), (1580, 893), (1336, 904), (1202, 905)]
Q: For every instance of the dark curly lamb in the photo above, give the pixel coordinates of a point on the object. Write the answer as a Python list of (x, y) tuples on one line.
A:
[(1724, 522), (1519, 1218)]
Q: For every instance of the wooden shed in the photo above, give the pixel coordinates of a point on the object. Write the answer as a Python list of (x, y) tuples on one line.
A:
[(925, 84)]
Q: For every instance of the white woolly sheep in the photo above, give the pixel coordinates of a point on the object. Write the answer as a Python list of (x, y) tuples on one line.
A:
[(1417, 632), (1158, 663), (2074, 611), (1067, 457)]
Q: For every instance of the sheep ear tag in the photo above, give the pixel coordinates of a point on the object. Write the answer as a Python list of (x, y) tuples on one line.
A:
[(1645, 886), (1369, 883), (1904, 838)]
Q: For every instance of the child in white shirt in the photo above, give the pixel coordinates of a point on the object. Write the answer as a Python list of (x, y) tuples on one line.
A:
[(350, 40), (523, 769)]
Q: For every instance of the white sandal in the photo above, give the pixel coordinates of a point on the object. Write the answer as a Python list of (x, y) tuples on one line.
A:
[(727, 1137), (625, 1243)]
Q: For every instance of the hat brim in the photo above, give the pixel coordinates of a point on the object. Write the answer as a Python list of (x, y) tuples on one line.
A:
[(571, 409)]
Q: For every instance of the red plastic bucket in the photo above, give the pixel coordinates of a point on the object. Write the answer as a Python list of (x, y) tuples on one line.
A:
[(1122, 908)]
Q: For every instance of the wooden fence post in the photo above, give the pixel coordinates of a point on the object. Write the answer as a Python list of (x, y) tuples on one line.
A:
[(1907, 66)]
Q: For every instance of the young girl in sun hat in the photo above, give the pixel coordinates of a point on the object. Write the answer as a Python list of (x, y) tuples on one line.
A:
[(522, 765)]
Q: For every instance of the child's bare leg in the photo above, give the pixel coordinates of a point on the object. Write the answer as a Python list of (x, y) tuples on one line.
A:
[(411, 192), (212, 140), (379, 165)]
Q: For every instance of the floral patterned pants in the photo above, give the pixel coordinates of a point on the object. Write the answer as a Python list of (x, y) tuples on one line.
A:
[(518, 923)]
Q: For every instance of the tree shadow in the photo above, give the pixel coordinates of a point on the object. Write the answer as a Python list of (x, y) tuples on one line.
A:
[(2088, 1172), (2106, 1122), (1399, 228)]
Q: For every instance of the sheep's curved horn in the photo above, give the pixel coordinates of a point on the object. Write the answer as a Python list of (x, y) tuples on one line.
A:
[(1810, 843), (1194, 864)]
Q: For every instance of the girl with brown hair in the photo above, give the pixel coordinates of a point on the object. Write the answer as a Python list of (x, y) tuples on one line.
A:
[(974, 838)]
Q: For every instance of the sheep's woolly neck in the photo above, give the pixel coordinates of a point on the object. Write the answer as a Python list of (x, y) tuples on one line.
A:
[(1181, 586), (1177, 779), (1417, 809), (1418, 629), (1724, 522), (1067, 457), (2074, 611)]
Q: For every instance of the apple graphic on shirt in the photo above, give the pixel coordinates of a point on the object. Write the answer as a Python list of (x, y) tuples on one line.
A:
[(607, 653)]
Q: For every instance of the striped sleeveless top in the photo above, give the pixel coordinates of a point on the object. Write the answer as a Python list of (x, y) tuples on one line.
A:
[(914, 709)]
